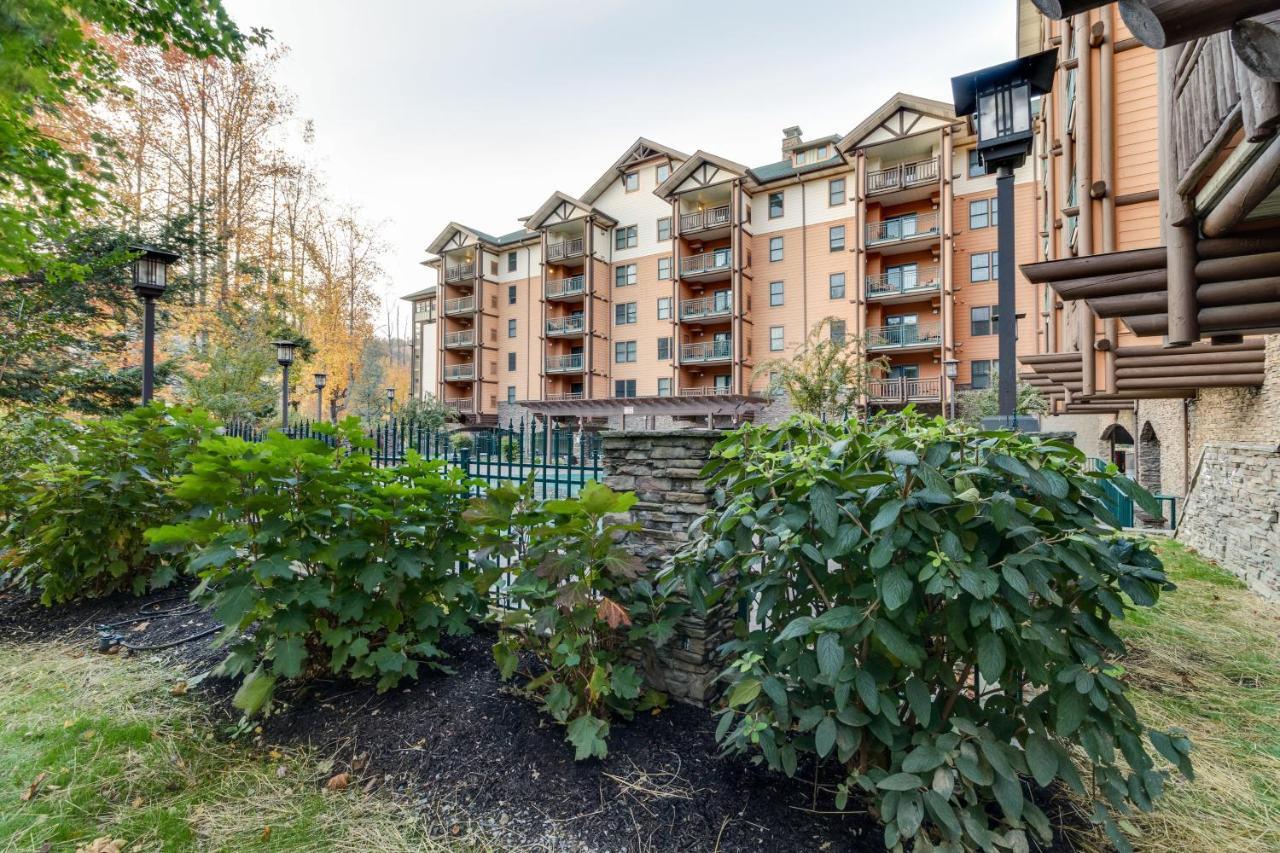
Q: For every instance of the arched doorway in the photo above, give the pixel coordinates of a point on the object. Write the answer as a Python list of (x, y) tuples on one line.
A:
[(1117, 446), (1149, 459)]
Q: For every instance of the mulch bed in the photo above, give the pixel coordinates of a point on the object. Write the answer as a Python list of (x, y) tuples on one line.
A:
[(475, 755)]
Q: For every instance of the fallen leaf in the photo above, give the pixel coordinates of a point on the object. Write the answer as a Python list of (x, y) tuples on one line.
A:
[(371, 784), (66, 724), (140, 627), (266, 833), (178, 689), (89, 734), (281, 771), (105, 844), (30, 793), (338, 782), (275, 754), (360, 761), (612, 612)]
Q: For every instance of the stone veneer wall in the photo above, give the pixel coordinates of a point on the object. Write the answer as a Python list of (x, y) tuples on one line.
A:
[(664, 470)]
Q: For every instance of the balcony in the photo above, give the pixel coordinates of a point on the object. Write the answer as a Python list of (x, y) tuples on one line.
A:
[(901, 390), (565, 363), (703, 353), (572, 326), (568, 395), (904, 336), (460, 372), (711, 307), (706, 391), (460, 272), (564, 250), (462, 305), (904, 285), (566, 288), (708, 263), (705, 220), (903, 231), (460, 340), (903, 176), (464, 405)]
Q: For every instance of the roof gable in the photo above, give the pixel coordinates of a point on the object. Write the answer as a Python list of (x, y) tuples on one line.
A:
[(700, 170), (900, 116), (561, 207), (454, 236), (642, 149)]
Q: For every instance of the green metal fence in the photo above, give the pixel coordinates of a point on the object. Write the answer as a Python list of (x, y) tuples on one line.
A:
[(1121, 505)]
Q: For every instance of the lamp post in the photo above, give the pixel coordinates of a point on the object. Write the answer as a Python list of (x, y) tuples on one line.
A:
[(320, 382), (150, 277), (951, 368), (999, 99), (284, 357), (391, 400)]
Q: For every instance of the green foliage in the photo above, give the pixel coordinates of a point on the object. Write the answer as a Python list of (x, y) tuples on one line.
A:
[(462, 440), (896, 568), (427, 411), (78, 531), (827, 374), (316, 560), (583, 606), (973, 406)]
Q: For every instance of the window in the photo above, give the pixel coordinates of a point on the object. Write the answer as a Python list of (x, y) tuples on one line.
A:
[(837, 331), (811, 155), (835, 191), (512, 261), (775, 293), (624, 275), (631, 181), (511, 328), (984, 266), (624, 388), (664, 349), (835, 238), (511, 361), (662, 172), (624, 237), (664, 387), (982, 320), (983, 213), (664, 307), (511, 393), (664, 228), (981, 372), (664, 269), (976, 169), (776, 335), (624, 313), (775, 205), (775, 248), (835, 285), (624, 352), (511, 294)]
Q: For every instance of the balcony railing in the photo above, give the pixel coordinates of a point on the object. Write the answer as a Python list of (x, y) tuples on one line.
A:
[(564, 249), (571, 325), (707, 306), (903, 282), (461, 404), (904, 390), (707, 262), (459, 272), (713, 217), (706, 391), (895, 230), (721, 350), (565, 363), (462, 305), (567, 395), (904, 335), (558, 288), (460, 373), (460, 339), (903, 176)]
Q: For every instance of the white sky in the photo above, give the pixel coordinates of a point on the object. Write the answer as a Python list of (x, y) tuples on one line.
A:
[(427, 112)]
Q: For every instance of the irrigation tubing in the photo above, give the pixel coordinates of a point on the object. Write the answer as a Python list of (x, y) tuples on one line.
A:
[(108, 638)]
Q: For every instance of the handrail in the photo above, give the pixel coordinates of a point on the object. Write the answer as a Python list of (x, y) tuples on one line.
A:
[(566, 325), (900, 389), (571, 286), (892, 230), (462, 404), (460, 271), (900, 281), (713, 261), (564, 363), (904, 335), (701, 220), (706, 391), (567, 395), (461, 305), (902, 175), (466, 338), (706, 351), (455, 372), (706, 306), (564, 249)]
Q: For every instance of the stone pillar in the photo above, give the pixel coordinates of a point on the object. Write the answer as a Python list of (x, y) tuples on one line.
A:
[(664, 470)]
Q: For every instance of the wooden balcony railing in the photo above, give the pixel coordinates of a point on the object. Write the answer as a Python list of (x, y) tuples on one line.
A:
[(895, 230), (904, 335), (564, 249), (701, 220), (903, 176), (903, 282), (707, 262), (558, 288), (461, 404), (460, 372), (462, 305), (904, 390), (460, 271), (721, 350), (708, 306), (574, 324), (571, 363), (460, 339), (706, 391)]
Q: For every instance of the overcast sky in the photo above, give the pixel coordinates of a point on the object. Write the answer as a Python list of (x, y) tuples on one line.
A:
[(475, 111)]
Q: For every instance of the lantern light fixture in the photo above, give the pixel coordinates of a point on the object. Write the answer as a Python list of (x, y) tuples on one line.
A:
[(999, 99), (284, 352)]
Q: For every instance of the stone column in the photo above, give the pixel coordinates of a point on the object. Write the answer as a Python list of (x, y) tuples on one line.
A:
[(664, 470)]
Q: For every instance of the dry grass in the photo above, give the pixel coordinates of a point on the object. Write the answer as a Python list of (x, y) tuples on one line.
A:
[(124, 759), (1207, 660)]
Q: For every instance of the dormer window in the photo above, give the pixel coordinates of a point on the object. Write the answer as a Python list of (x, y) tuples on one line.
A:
[(811, 155)]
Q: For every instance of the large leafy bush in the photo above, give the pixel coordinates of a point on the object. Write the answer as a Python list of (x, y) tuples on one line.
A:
[(931, 611), (580, 603), (77, 530), (316, 560)]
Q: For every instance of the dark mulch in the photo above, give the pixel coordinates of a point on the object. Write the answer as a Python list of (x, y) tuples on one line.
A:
[(468, 750)]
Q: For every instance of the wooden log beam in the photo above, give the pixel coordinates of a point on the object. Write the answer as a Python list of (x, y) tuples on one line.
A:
[(1239, 292), (1182, 360), (1258, 181), (1175, 371), (1119, 284), (1226, 247), (1230, 319), (1162, 23), (1222, 380), (1116, 263), (1257, 44), (1130, 305), (1250, 345), (1059, 9)]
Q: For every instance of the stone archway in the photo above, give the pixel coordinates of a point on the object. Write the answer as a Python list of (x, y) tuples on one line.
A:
[(1116, 445), (1149, 458)]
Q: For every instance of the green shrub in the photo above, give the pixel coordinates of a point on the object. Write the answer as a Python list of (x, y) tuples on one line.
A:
[(893, 569), (28, 439), (582, 606), (79, 529), (462, 441), (314, 559)]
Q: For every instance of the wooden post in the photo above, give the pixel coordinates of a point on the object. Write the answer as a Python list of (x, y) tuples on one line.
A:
[(1257, 44), (1178, 220), (1164, 23)]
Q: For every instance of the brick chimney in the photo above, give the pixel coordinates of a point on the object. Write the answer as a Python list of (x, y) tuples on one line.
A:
[(790, 141)]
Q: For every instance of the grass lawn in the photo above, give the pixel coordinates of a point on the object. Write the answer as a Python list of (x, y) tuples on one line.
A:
[(95, 747)]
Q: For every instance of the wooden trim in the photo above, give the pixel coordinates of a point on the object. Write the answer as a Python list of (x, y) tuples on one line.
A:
[(1137, 198)]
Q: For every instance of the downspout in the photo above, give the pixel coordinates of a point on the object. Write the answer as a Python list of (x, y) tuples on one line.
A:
[(946, 307), (542, 325), (804, 264), (1084, 203), (860, 264), (1107, 140)]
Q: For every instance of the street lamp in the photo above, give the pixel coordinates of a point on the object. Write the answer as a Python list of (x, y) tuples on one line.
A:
[(150, 277), (320, 382), (999, 99), (284, 357), (951, 368), (391, 400)]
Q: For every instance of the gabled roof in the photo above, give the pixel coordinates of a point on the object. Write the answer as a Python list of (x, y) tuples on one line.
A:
[(554, 202), (426, 292), (700, 158), (641, 149), (900, 101), (784, 169), (442, 239)]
